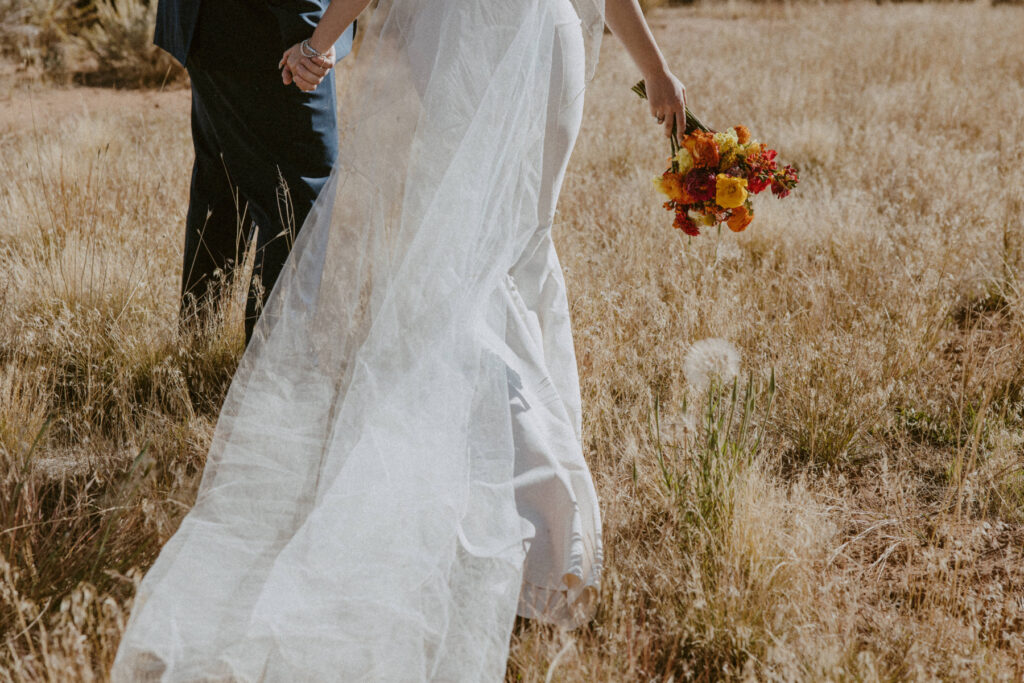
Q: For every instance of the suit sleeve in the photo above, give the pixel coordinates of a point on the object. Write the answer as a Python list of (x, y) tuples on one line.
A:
[(296, 20)]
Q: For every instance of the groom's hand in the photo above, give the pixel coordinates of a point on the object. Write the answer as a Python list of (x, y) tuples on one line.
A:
[(305, 72)]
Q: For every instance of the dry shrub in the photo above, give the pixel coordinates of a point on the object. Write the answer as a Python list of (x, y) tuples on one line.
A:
[(101, 42), (121, 42), (82, 630), (38, 33), (24, 406)]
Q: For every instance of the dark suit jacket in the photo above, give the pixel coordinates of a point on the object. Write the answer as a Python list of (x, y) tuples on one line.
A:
[(238, 34)]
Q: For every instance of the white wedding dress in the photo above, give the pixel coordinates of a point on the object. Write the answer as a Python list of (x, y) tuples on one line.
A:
[(397, 469)]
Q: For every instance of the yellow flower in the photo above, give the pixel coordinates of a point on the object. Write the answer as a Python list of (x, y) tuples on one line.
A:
[(730, 192), (701, 218), (752, 147), (728, 144), (727, 141), (685, 160)]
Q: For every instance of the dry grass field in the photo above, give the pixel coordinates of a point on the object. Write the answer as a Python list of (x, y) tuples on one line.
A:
[(876, 531)]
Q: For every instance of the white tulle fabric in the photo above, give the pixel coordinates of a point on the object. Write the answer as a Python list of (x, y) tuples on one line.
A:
[(397, 468)]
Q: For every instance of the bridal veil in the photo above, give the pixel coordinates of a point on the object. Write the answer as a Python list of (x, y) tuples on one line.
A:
[(397, 470)]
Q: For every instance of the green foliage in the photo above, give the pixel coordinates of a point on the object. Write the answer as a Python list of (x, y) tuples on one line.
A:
[(709, 472), (700, 471)]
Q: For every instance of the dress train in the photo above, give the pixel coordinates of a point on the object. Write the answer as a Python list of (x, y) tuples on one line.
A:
[(397, 469)]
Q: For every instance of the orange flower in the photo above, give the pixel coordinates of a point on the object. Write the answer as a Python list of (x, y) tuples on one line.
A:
[(701, 146), (743, 133), (739, 219), (671, 185)]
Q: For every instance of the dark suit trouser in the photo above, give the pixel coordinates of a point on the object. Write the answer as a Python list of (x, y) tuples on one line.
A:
[(263, 152)]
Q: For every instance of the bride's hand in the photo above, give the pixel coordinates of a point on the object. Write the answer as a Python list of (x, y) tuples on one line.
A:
[(305, 72), (667, 97)]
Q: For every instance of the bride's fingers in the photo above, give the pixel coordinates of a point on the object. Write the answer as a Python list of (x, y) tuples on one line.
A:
[(315, 66), (303, 82), (670, 120), (658, 112), (320, 63), (680, 114), (664, 119), (308, 76)]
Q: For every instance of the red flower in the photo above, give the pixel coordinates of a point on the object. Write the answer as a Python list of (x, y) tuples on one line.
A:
[(756, 183), (784, 181), (700, 185), (764, 159), (685, 223), (762, 170)]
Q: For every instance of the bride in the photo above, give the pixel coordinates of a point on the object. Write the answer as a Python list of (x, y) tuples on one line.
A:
[(397, 469)]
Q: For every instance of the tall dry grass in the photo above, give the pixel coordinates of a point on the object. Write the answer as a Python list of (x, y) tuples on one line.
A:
[(867, 524)]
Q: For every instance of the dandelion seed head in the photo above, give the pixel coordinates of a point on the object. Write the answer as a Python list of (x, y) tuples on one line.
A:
[(710, 359)]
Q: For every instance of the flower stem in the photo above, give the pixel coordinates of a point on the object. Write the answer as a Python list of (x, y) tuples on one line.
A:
[(675, 148)]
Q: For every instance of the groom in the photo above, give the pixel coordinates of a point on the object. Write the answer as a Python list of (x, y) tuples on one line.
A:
[(263, 149)]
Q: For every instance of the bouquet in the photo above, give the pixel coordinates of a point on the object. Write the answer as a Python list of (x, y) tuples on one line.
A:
[(713, 175)]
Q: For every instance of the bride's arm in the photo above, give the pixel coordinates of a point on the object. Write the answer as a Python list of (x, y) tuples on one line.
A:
[(665, 94), (307, 73), (338, 16)]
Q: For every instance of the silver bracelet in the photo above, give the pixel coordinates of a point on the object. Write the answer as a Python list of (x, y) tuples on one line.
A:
[(309, 51)]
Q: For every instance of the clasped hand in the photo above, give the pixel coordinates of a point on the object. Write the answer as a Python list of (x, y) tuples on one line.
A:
[(305, 72)]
